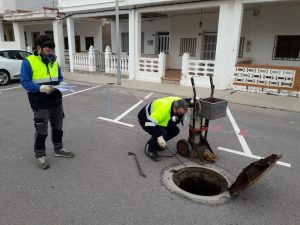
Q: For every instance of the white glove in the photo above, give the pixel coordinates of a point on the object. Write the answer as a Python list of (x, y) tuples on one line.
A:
[(46, 89), (161, 142)]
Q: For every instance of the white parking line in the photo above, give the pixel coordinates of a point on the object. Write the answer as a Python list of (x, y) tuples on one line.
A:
[(237, 130), (4, 89), (116, 120), (76, 92), (251, 156)]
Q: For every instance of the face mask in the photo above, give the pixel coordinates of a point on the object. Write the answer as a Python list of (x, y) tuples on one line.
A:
[(51, 57)]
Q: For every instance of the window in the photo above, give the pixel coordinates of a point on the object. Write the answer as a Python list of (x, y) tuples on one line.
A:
[(286, 47), (241, 47), (24, 54), (209, 46), (66, 43), (142, 42), (88, 42), (12, 55), (188, 45), (125, 42), (162, 42)]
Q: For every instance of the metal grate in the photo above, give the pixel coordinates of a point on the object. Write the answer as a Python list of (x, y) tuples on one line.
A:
[(209, 46), (163, 42), (286, 47), (188, 45)]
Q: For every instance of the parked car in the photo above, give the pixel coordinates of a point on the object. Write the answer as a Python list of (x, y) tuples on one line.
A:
[(10, 64)]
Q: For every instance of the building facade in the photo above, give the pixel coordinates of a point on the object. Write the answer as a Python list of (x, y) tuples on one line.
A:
[(246, 44)]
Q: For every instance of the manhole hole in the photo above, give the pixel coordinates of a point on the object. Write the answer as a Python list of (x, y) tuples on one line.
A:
[(197, 183), (200, 181)]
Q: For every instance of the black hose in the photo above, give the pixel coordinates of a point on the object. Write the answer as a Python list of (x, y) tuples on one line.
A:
[(167, 156)]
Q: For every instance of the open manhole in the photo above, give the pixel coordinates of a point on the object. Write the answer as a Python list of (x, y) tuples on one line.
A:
[(200, 181), (212, 184)]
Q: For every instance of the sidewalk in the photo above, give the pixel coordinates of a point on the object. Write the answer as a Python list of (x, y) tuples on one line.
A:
[(252, 99)]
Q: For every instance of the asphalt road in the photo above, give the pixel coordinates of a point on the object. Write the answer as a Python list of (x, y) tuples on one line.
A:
[(101, 184)]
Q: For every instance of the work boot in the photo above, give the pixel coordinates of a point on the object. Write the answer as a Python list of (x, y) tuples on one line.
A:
[(154, 156), (42, 162), (63, 153)]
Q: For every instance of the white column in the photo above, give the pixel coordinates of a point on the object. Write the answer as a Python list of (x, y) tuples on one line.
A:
[(185, 64), (92, 59), (137, 40), (1, 31), (99, 40), (19, 35), (59, 41), (71, 41), (229, 29), (132, 59), (107, 59), (113, 36), (162, 64)]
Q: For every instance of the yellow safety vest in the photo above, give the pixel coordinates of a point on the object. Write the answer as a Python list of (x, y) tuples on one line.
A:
[(42, 73), (160, 111)]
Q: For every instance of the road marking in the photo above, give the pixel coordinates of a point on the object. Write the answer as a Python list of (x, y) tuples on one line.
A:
[(76, 92), (251, 156), (4, 89), (237, 130), (116, 120)]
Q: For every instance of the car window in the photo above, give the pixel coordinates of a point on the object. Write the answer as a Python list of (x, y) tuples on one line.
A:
[(24, 54), (5, 54), (14, 54)]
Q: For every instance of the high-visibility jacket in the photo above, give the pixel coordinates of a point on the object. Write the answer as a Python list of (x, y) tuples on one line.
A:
[(42, 73), (35, 72), (159, 111)]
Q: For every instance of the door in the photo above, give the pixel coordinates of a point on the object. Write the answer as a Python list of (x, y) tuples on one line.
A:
[(34, 38), (77, 43), (209, 46), (162, 42)]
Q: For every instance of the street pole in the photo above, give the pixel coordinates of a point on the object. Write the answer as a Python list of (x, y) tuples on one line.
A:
[(118, 43)]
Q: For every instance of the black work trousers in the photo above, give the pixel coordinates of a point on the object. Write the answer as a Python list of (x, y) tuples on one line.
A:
[(41, 119)]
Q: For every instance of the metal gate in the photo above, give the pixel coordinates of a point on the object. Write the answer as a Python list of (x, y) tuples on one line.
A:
[(100, 61)]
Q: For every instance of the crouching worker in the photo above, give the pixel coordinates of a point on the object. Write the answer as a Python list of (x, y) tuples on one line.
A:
[(159, 118)]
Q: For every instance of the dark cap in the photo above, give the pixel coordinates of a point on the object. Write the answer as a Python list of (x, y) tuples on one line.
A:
[(45, 41), (181, 103)]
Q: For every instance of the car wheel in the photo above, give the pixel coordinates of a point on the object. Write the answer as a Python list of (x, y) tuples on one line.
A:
[(4, 77)]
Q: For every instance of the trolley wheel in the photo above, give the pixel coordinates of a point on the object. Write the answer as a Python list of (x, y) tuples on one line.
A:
[(184, 148)]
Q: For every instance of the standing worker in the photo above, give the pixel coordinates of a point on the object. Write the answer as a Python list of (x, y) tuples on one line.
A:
[(159, 118), (39, 72)]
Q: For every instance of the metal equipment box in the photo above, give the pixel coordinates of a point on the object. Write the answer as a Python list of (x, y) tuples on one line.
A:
[(213, 108)]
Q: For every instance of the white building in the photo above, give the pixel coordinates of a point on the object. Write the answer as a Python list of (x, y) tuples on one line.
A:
[(195, 38)]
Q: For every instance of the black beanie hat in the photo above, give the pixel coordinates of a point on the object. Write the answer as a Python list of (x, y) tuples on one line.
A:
[(45, 41)]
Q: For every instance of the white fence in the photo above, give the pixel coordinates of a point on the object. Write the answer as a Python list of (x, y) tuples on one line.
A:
[(264, 79), (111, 62), (91, 61), (151, 69), (81, 61), (200, 70)]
